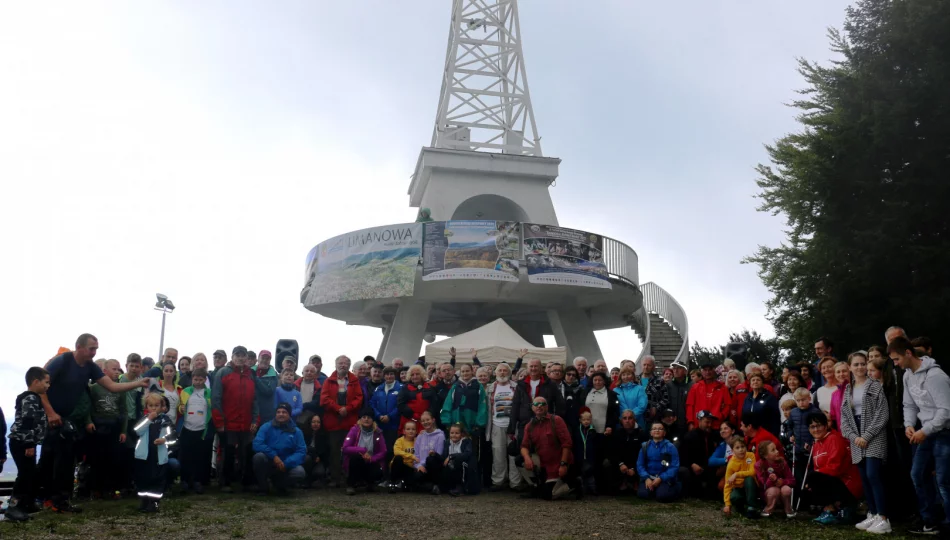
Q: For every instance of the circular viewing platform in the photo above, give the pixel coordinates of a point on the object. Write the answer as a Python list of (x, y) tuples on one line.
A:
[(471, 273)]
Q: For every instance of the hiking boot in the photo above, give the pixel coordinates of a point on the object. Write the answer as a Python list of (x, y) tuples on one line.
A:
[(65, 508), (15, 513)]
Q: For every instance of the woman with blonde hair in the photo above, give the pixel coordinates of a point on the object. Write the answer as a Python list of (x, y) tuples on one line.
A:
[(414, 397)]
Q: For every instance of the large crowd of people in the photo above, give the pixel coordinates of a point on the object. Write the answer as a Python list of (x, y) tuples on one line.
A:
[(814, 437)]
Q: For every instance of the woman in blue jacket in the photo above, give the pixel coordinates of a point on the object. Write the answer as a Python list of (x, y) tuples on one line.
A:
[(384, 403), (762, 403), (657, 466), (632, 396)]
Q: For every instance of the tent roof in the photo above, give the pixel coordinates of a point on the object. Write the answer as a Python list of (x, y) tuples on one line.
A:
[(495, 342)]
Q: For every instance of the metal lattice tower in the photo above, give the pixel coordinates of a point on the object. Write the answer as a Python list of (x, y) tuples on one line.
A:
[(484, 103)]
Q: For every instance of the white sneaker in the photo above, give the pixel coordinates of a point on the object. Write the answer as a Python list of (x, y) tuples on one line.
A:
[(866, 524), (881, 526)]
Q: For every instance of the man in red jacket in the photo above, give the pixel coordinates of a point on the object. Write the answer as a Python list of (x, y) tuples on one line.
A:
[(340, 397), (235, 414), (751, 427), (710, 395)]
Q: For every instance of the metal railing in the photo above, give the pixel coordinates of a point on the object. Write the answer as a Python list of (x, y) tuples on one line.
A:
[(621, 261), (657, 300)]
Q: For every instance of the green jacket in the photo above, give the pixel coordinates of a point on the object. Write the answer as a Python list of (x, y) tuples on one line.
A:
[(106, 408), (183, 407)]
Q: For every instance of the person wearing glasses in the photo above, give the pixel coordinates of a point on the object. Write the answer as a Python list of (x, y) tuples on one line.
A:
[(547, 456), (658, 466)]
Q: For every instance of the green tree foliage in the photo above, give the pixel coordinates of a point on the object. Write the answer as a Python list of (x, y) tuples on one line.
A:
[(865, 185), (760, 349)]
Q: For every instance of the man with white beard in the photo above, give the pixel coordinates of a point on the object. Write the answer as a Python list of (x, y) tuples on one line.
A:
[(500, 396)]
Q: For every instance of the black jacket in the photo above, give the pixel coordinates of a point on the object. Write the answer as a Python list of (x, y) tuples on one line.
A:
[(613, 407), (439, 391), (467, 460), (624, 447), (696, 447), (677, 392), (521, 412), (573, 401)]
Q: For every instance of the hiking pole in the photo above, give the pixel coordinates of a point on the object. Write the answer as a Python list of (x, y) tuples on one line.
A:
[(794, 453), (805, 476)]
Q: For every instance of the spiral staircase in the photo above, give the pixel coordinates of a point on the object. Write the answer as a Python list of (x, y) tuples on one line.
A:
[(662, 327)]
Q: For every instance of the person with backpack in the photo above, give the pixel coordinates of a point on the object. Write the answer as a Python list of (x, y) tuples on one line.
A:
[(546, 453)]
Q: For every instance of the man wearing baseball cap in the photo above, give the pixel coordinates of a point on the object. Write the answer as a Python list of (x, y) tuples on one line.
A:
[(678, 390), (219, 359), (235, 415), (699, 480), (265, 386), (709, 394)]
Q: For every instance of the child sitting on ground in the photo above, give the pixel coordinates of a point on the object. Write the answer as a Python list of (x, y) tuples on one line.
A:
[(460, 468), (156, 435), (740, 488), (586, 444), (318, 454), (28, 430), (403, 475), (775, 476), (287, 392)]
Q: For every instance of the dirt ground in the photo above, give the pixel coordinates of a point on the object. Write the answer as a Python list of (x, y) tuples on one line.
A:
[(330, 513)]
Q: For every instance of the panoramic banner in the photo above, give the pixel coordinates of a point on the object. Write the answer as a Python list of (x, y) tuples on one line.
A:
[(379, 262), (471, 250), (564, 256)]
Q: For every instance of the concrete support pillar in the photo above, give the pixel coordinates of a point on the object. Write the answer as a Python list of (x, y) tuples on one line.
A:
[(405, 335), (572, 329), (382, 346)]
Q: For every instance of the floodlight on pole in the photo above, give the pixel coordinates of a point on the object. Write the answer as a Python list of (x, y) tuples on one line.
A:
[(166, 306)]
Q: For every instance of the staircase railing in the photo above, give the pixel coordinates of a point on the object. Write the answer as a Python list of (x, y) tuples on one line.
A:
[(621, 261), (657, 300)]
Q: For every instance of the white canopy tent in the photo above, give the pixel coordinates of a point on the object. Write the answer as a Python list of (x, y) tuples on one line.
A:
[(495, 342)]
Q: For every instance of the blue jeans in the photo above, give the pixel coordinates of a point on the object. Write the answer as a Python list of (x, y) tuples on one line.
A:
[(933, 453), (873, 482)]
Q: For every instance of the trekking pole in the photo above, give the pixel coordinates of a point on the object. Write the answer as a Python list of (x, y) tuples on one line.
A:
[(805, 476), (794, 453)]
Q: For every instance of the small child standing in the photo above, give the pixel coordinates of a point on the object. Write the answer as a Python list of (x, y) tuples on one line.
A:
[(740, 473), (776, 478), (156, 434), (785, 432), (287, 392), (28, 430), (403, 475), (801, 437), (196, 439), (586, 451)]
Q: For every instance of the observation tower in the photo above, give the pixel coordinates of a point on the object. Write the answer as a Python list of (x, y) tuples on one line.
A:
[(488, 244)]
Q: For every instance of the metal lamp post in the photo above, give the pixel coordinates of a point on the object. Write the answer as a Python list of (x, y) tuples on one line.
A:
[(165, 306)]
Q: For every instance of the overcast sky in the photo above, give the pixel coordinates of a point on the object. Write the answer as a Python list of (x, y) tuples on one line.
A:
[(201, 150)]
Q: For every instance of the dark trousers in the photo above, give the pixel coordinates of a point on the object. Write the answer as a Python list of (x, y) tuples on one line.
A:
[(872, 479), (24, 489), (195, 456), (315, 470), (390, 435), (703, 485), (665, 492), (400, 472), (265, 469), (900, 487), (931, 475), (433, 474), (104, 453), (825, 490), (451, 477), (150, 477), (363, 472), (236, 447), (336, 455), (57, 461)]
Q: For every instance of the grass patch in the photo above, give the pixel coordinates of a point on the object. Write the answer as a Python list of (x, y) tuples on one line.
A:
[(649, 528), (238, 532), (709, 532), (341, 509), (284, 529), (311, 511), (342, 524)]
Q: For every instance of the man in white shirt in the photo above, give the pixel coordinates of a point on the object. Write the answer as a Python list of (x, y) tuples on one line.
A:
[(501, 393)]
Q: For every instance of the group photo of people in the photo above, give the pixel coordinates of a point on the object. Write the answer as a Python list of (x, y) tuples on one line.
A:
[(821, 439)]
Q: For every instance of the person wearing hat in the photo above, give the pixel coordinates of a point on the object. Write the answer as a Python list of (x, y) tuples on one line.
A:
[(546, 454), (678, 390), (709, 394), (698, 478), (219, 359), (234, 413), (364, 450), (279, 452)]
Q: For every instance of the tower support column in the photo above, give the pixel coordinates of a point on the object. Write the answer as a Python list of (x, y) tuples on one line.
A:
[(404, 337), (573, 329)]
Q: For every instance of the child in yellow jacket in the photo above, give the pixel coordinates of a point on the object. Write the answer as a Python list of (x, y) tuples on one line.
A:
[(403, 474), (740, 489)]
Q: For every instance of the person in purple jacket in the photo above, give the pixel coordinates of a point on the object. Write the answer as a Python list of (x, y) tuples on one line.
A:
[(364, 451)]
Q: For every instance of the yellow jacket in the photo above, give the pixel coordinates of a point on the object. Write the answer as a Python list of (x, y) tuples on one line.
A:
[(406, 450), (743, 468)]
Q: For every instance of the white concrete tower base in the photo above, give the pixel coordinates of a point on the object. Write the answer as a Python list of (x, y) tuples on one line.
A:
[(403, 338), (573, 329)]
